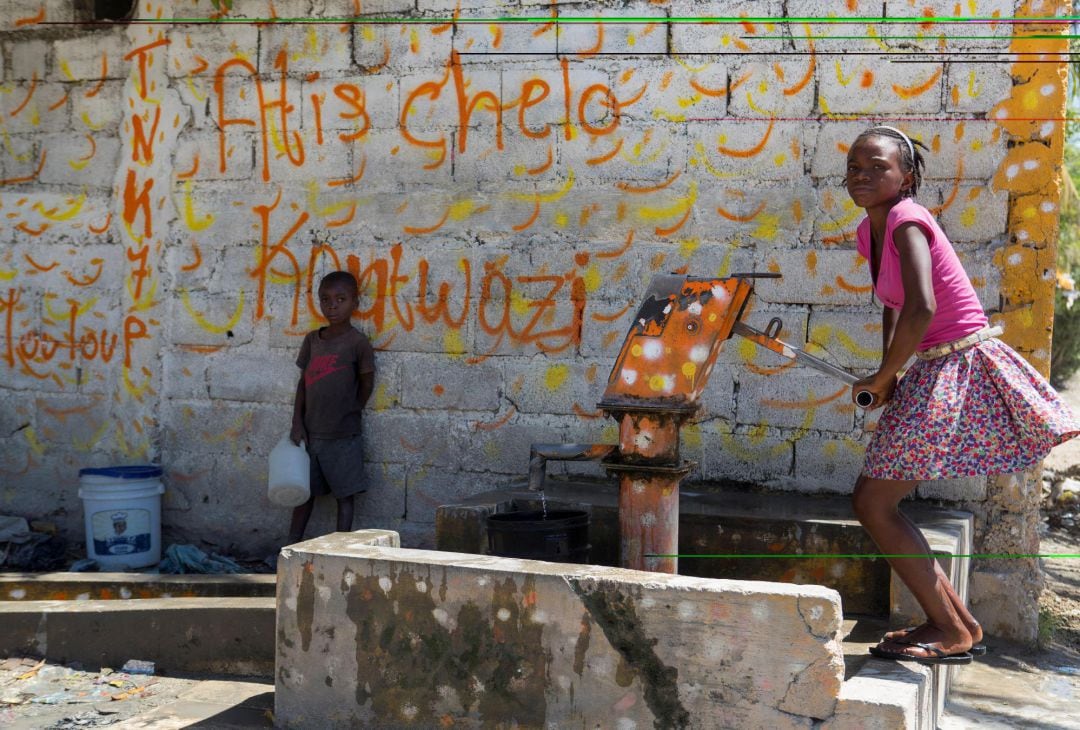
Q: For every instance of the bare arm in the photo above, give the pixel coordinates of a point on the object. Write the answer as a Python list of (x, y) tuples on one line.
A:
[(367, 386), (888, 328), (901, 335), (298, 432)]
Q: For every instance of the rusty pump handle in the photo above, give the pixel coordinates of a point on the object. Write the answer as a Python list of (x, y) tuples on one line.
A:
[(768, 340)]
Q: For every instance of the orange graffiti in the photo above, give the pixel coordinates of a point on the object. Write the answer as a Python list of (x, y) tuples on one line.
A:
[(907, 92), (741, 218), (29, 94), (627, 187), (27, 178), (756, 149), (33, 19)]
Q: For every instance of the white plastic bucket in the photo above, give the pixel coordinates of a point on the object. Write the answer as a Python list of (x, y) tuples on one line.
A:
[(122, 505)]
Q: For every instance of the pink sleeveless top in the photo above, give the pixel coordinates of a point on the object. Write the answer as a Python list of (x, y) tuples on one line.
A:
[(959, 312)]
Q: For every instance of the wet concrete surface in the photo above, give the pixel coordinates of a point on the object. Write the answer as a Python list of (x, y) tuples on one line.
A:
[(1012, 687)]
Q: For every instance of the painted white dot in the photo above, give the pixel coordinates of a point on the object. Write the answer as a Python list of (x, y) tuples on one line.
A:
[(563, 682), (721, 294), (503, 614), (652, 349), (694, 308), (1046, 206), (539, 617), (1001, 113), (421, 586), (481, 581), (699, 353), (629, 376), (125, 593), (625, 723), (1047, 129), (687, 610), (82, 597), (1030, 164), (1012, 171), (409, 711), (17, 593), (1015, 259), (637, 486), (324, 593), (669, 383), (648, 519), (816, 612), (1022, 235), (385, 583), (643, 440), (1046, 89), (444, 619)]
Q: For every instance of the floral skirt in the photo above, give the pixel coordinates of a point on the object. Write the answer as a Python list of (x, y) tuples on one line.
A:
[(981, 410)]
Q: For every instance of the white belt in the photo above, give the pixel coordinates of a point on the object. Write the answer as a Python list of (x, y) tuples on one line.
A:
[(947, 348)]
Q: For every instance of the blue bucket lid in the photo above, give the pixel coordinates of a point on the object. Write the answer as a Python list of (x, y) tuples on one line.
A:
[(144, 471)]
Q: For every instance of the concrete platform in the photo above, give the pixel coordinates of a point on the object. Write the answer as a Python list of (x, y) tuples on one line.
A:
[(64, 586), (733, 523), (214, 705), (385, 637), (232, 636)]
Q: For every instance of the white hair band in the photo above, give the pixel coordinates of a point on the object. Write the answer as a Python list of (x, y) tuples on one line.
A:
[(910, 146)]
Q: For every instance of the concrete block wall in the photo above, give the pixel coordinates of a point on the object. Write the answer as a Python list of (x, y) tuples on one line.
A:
[(171, 191)]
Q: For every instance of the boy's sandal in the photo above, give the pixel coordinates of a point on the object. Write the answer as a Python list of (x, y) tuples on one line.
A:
[(975, 650), (939, 656)]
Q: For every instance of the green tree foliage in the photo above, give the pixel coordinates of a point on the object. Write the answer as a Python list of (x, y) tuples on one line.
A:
[(1065, 351)]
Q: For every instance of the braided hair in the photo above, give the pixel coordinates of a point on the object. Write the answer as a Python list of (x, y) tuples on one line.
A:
[(911, 159)]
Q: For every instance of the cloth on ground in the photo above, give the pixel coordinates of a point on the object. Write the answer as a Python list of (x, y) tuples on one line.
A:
[(190, 559)]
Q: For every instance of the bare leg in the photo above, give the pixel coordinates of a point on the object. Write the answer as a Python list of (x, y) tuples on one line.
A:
[(300, 517), (969, 620), (345, 514), (876, 503)]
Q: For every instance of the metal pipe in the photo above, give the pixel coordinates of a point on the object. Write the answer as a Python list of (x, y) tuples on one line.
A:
[(540, 454)]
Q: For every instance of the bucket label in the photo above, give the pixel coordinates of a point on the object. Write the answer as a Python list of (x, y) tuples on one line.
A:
[(121, 532)]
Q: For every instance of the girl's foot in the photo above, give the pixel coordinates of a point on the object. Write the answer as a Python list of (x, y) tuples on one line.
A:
[(926, 642), (913, 634)]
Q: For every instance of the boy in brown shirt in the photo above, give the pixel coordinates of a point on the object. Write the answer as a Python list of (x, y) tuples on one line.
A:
[(338, 377)]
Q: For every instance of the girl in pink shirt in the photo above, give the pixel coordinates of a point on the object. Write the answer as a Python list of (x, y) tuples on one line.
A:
[(969, 405)]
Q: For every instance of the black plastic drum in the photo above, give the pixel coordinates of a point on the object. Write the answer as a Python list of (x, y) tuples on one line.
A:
[(559, 536)]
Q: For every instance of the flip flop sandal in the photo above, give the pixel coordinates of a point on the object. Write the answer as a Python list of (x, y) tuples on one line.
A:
[(940, 657), (975, 650)]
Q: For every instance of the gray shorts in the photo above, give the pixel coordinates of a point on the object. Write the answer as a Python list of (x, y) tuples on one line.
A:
[(337, 466)]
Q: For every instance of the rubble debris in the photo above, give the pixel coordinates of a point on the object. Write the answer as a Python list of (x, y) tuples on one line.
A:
[(138, 666)]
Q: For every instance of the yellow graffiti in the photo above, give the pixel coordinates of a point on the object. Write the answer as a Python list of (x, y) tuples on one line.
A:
[(678, 208), (189, 212), (555, 376), (71, 212), (205, 323)]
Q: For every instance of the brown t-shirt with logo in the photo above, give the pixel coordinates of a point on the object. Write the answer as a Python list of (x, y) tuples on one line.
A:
[(331, 372)]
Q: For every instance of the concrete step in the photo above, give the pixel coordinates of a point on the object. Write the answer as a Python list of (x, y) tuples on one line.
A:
[(64, 586), (231, 635)]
